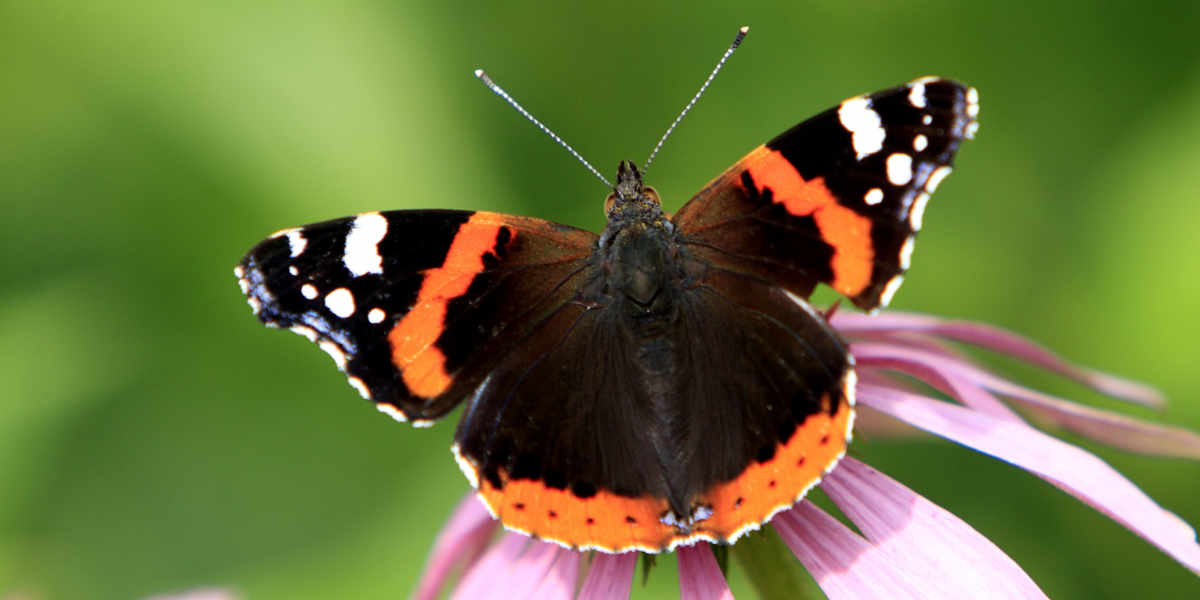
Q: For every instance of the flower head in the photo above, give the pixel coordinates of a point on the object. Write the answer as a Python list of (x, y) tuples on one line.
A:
[(905, 546)]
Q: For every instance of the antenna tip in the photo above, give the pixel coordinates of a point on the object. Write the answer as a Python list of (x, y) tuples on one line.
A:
[(744, 30), (479, 73)]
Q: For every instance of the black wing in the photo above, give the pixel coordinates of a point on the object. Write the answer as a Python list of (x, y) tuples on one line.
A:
[(415, 306), (838, 198)]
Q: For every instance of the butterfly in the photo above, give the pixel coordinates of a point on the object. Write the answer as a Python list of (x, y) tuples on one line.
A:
[(663, 382)]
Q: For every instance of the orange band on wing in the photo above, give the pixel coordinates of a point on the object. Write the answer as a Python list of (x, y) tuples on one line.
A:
[(619, 523), (764, 488), (605, 520), (412, 339), (848, 232)]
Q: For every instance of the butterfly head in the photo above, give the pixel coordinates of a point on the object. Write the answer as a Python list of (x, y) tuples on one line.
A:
[(632, 205), (630, 195)]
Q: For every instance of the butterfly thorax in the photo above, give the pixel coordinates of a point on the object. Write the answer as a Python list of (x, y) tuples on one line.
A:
[(638, 254)]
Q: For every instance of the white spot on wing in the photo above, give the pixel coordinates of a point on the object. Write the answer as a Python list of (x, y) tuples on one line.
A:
[(309, 291), (906, 253), (916, 92), (361, 255), (927, 119), (392, 412), (340, 302), (849, 385), (864, 125), (972, 102), (972, 127), (920, 142), (935, 178), (376, 316), (918, 211), (307, 332), (239, 272), (296, 241), (334, 352), (465, 465), (889, 290), (358, 384), (293, 271), (899, 168), (245, 285), (874, 196)]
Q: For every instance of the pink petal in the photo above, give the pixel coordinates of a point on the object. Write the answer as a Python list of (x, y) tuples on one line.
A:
[(529, 571), (844, 564), (196, 594), (560, 581), (495, 565), (1004, 342), (464, 537), (609, 577), (870, 424), (700, 577), (932, 369), (924, 539), (1116, 430), (1110, 428), (1073, 470)]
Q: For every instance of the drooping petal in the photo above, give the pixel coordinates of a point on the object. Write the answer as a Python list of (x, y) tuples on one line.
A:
[(527, 573), (998, 340), (1073, 470), (870, 424), (700, 577), (1110, 428), (464, 537), (932, 369), (924, 539), (196, 594), (560, 581), (519, 567), (609, 577), (844, 564), (495, 565)]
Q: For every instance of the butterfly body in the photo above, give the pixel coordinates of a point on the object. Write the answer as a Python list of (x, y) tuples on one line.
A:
[(663, 382)]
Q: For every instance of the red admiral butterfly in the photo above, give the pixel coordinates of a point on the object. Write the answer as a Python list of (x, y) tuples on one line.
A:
[(661, 383)]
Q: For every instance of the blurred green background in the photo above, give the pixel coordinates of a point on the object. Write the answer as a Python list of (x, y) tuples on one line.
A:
[(154, 437)]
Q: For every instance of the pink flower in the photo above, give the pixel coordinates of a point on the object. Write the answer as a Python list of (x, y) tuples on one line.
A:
[(908, 546)]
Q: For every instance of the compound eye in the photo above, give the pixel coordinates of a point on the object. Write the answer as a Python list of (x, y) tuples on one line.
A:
[(609, 202), (651, 195)]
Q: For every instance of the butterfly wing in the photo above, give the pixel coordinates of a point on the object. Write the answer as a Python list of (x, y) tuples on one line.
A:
[(416, 307), (595, 437), (838, 198)]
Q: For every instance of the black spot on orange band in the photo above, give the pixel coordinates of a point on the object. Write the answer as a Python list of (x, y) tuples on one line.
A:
[(603, 520), (617, 523), (767, 486)]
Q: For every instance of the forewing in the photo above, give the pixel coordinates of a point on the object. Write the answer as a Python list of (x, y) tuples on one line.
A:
[(838, 198), (403, 300)]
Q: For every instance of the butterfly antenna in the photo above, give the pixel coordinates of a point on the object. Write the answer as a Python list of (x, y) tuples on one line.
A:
[(737, 41), (521, 109)]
